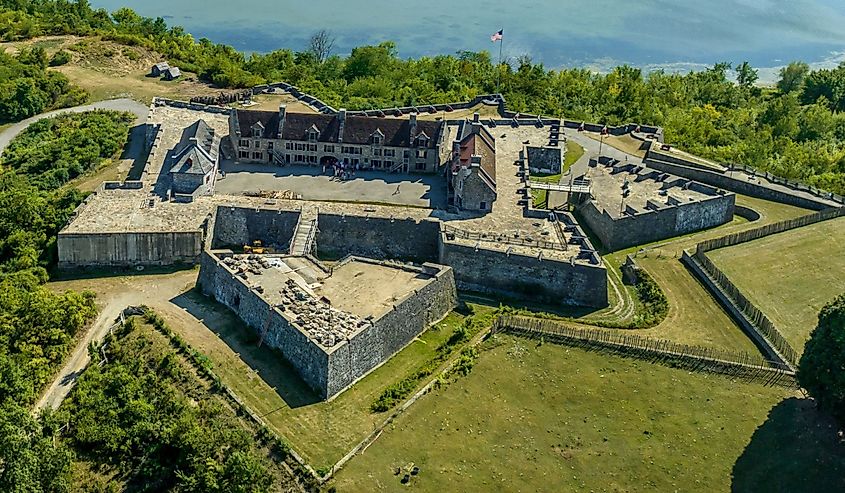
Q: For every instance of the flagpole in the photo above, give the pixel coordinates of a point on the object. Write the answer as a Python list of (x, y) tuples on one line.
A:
[(499, 66)]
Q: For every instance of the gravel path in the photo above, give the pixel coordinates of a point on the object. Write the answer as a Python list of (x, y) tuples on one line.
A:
[(139, 110)]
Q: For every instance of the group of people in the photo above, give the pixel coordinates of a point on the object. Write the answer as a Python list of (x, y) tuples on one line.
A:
[(341, 171)]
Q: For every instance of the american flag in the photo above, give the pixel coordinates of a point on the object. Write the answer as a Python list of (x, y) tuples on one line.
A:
[(497, 36)]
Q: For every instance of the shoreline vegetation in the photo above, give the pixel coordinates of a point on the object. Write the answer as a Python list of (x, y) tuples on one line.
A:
[(795, 130)]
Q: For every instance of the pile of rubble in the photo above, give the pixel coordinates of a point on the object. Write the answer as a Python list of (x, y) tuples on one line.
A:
[(252, 264), (325, 324)]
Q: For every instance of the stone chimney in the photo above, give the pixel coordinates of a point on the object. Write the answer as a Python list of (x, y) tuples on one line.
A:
[(476, 117), (282, 111), (413, 124), (341, 122)]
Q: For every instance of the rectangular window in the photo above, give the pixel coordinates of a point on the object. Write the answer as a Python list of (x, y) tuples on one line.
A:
[(287, 158), (257, 155), (376, 163), (299, 146), (289, 146), (300, 158), (482, 206), (243, 143), (390, 153), (328, 148), (312, 147), (421, 153), (376, 152), (420, 165), (312, 159), (355, 161), (243, 154), (257, 144), (269, 146)]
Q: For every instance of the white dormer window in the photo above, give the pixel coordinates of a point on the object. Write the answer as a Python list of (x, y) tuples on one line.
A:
[(313, 133), (377, 138), (258, 130), (422, 140)]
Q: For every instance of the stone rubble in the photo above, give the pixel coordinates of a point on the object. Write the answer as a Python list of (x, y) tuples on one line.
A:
[(326, 325)]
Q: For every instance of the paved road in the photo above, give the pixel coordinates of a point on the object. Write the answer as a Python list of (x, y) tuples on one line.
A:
[(139, 110)]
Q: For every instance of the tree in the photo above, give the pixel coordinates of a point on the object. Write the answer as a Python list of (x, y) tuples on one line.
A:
[(746, 76), (792, 76), (321, 45), (822, 367)]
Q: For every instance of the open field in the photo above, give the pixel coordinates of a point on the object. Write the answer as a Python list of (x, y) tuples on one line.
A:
[(791, 275), (551, 418)]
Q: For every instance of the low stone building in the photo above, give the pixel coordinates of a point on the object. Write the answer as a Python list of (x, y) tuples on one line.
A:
[(471, 177), (389, 144), (193, 164)]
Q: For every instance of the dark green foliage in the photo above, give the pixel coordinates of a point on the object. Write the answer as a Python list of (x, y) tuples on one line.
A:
[(55, 150), (653, 303), (27, 88), (30, 460), (59, 58), (145, 415), (822, 367)]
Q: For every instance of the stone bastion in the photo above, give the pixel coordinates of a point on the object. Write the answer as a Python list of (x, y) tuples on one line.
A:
[(334, 324)]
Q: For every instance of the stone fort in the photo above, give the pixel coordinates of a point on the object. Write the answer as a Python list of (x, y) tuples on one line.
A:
[(338, 287)]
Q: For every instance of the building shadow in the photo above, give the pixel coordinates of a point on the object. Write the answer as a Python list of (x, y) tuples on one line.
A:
[(796, 450), (137, 151), (269, 364), (101, 272)]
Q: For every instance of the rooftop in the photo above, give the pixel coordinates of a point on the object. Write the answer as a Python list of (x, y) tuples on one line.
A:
[(647, 189)]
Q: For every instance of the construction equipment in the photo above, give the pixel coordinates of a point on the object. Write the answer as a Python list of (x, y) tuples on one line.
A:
[(256, 247)]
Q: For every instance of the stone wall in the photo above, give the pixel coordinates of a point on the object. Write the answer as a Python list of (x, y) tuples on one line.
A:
[(239, 226), (522, 277), (308, 359), (392, 331), (743, 186), (377, 237), (617, 233), (77, 250)]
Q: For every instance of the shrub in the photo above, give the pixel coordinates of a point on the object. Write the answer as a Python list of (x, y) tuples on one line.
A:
[(61, 57), (820, 370)]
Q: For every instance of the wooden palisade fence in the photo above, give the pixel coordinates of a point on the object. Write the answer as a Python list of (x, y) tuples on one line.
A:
[(738, 365)]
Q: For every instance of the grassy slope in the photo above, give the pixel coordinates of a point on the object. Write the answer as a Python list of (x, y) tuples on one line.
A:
[(790, 276), (551, 418), (320, 431), (694, 316)]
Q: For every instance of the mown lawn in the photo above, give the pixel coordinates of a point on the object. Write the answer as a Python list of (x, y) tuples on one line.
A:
[(551, 418), (322, 432), (790, 276)]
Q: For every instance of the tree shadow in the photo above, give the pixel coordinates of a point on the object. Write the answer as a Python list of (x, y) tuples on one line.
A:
[(795, 450), (270, 365)]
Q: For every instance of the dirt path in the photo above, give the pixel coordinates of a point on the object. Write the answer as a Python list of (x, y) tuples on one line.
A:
[(114, 294)]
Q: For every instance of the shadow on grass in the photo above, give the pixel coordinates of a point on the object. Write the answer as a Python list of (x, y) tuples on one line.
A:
[(795, 450), (242, 340)]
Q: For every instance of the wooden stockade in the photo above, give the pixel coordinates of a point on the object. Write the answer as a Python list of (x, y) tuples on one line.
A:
[(769, 229), (739, 365), (754, 315)]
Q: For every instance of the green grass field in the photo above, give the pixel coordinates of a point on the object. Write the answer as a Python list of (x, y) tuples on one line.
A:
[(551, 418), (791, 275), (322, 432), (573, 153)]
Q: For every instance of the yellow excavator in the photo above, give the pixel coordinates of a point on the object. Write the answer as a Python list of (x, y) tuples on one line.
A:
[(256, 247)]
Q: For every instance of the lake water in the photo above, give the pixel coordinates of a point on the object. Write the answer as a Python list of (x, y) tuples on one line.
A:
[(675, 34)]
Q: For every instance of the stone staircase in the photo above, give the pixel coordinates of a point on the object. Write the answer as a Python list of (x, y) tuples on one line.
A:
[(306, 232)]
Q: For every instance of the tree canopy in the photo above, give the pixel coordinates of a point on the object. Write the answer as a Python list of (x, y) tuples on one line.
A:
[(822, 367)]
